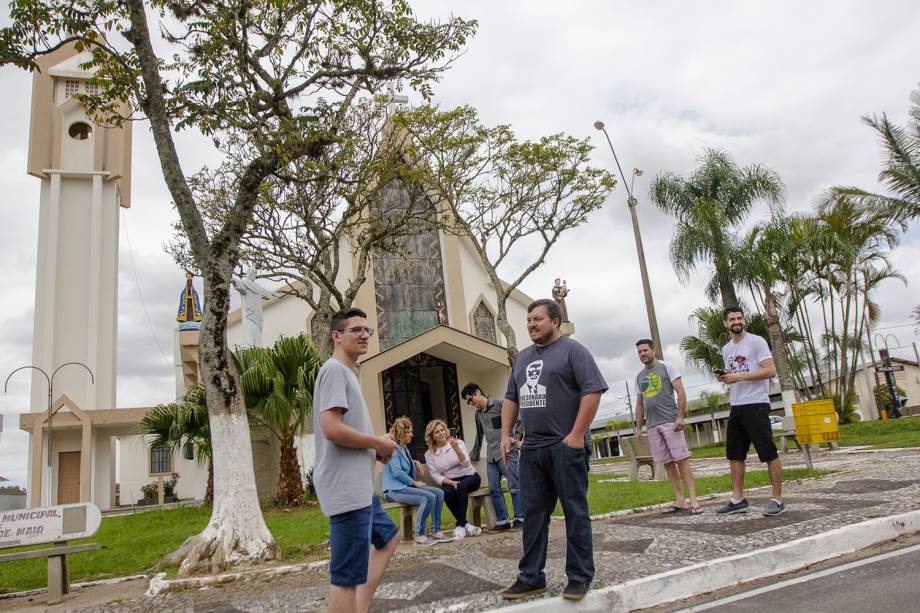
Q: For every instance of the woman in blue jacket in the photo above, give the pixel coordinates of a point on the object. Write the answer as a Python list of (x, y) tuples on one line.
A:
[(400, 483)]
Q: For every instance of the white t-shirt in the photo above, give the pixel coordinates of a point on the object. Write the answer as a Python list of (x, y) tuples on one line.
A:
[(746, 356)]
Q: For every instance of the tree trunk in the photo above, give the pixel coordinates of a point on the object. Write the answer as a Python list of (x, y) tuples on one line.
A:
[(778, 343), (501, 320), (236, 533), (209, 492), (290, 483), (726, 287)]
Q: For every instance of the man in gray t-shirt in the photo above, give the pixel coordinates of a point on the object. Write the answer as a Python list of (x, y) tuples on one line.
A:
[(556, 386), (344, 470), (658, 382)]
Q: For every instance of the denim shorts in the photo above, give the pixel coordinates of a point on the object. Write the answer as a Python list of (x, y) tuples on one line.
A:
[(351, 535)]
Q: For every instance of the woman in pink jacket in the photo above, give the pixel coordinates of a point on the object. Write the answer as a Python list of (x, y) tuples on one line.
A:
[(449, 465)]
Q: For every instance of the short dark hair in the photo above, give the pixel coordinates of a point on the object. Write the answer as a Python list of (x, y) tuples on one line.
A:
[(732, 309), (340, 317), (645, 341), (552, 307), (469, 390)]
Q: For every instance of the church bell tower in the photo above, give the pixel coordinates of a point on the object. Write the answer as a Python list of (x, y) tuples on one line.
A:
[(85, 173)]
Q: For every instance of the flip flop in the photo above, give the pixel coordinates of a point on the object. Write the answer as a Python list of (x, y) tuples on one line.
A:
[(673, 509), (696, 510)]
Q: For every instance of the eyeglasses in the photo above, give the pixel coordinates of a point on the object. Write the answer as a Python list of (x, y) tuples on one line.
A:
[(358, 330)]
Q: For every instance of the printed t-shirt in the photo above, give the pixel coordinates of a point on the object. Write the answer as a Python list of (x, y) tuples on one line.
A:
[(655, 383), (746, 356), (547, 383)]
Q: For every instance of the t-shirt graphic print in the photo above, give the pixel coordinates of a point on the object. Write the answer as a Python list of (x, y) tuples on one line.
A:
[(532, 394), (650, 385)]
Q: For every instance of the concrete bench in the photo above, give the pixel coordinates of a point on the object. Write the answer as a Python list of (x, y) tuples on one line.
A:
[(50, 525), (638, 455)]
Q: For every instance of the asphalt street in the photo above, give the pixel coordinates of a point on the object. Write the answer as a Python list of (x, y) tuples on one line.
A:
[(888, 582)]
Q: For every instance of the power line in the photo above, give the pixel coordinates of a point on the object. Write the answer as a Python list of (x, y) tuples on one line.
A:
[(140, 294)]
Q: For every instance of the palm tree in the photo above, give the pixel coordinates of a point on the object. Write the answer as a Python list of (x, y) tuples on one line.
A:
[(182, 423), (709, 206), (758, 263), (277, 385), (900, 170), (704, 351)]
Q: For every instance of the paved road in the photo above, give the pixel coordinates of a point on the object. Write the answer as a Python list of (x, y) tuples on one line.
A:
[(888, 582)]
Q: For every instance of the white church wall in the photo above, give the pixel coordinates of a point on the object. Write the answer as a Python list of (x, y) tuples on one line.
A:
[(476, 282), (135, 471)]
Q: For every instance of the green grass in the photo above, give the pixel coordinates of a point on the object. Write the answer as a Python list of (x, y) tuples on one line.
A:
[(887, 434), (134, 544)]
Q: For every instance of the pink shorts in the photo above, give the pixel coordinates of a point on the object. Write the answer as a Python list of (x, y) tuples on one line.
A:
[(667, 445)]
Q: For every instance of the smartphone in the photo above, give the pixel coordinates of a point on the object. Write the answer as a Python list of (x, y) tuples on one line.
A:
[(718, 371)]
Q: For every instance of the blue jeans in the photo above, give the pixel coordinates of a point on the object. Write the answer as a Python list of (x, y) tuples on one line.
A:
[(495, 472), (429, 501), (547, 474), (351, 535)]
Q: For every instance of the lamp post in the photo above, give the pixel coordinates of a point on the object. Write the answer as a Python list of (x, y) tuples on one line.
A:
[(631, 203), (50, 382)]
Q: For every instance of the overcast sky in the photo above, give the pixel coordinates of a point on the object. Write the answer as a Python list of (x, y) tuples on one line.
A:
[(778, 83)]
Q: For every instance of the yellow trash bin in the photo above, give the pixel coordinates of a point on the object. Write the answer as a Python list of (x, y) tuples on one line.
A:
[(815, 422)]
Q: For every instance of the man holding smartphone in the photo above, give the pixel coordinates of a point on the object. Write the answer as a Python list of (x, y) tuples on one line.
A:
[(748, 370)]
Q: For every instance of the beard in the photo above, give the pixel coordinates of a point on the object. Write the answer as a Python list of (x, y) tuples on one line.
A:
[(541, 339), (736, 328)]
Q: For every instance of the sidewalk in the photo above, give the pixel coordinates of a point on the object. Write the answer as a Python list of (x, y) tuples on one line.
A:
[(469, 574)]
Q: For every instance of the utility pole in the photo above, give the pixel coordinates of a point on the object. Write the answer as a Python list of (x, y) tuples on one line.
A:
[(629, 402), (631, 203)]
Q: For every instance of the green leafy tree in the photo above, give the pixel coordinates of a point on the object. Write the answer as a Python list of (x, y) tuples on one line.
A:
[(274, 78), (178, 424), (709, 207), (277, 386)]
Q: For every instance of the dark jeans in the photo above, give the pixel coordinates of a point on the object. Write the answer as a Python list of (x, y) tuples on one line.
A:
[(547, 474), (457, 498)]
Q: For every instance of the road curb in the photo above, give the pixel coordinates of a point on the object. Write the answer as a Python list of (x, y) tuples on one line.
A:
[(725, 572)]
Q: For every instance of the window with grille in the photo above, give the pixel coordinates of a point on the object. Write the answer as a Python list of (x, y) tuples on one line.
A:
[(71, 87), (160, 460)]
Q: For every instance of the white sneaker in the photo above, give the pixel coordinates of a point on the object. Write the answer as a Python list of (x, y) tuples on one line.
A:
[(459, 533), (472, 530)]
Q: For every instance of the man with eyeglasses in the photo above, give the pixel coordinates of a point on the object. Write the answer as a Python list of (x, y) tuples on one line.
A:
[(343, 472), (489, 427)]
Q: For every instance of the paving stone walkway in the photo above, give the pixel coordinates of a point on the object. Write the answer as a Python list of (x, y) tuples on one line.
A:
[(467, 575)]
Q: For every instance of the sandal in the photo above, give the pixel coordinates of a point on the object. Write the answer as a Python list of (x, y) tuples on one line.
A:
[(424, 541), (696, 510), (672, 509)]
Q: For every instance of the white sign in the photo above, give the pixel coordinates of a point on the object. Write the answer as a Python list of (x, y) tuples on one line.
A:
[(48, 524)]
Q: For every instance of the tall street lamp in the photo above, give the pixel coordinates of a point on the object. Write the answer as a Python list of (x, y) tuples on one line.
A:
[(631, 203)]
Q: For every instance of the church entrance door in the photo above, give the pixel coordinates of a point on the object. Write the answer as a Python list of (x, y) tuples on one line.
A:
[(422, 388), (68, 477)]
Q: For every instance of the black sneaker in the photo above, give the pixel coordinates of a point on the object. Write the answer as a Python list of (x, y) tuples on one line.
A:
[(522, 590), (733, 507), (575, 590), (517, 524), (499, 527)]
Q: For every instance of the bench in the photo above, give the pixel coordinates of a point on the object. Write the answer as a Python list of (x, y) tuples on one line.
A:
[(638, 455), (50, 525), (479, 501)]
